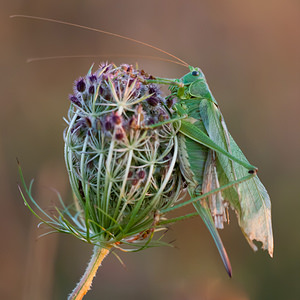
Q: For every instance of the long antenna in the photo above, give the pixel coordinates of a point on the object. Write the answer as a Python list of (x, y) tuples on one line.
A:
[(34, 59), (101, 31)]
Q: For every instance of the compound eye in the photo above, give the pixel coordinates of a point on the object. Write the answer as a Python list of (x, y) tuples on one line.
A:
[(195, 73)]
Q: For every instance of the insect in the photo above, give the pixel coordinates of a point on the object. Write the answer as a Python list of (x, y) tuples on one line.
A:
[(216, 171), (212, 161)]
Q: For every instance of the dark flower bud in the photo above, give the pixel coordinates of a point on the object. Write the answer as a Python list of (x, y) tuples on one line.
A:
[(108, 125), (93, 78), (134, 181), (153, 89), (88, 122), (80, 86), (153, 101), (141, 174), (170, 102), (119, 136), (91, 89), (75, 100), (116, 119)]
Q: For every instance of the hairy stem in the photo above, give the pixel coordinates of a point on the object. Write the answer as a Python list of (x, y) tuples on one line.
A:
[(85, 282)]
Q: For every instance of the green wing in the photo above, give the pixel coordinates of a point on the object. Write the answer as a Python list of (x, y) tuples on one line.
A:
[(250, 199)]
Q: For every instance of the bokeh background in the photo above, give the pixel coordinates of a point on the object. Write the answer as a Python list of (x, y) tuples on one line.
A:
[(249, 51)]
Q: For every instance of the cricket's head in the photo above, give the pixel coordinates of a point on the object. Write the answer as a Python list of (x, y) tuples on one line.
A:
[(193, 75)]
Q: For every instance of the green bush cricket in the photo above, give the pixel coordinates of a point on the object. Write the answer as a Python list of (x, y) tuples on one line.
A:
[(216, 171), (210, 159)]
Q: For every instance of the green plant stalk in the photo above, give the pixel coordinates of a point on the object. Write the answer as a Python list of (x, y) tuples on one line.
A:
[(85, 283)]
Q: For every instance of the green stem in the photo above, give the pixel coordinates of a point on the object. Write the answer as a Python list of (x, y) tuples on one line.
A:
[(85, 282)]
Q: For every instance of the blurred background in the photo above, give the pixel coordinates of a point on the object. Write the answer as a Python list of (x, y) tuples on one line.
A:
[(249, 51)]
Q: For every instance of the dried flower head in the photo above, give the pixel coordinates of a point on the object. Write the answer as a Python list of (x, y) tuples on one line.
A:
[(121, 158)]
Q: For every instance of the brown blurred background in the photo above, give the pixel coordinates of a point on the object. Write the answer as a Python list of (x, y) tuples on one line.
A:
[(249, 51)]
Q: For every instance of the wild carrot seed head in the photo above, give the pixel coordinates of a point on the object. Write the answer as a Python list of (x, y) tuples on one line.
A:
[(121, 171)]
